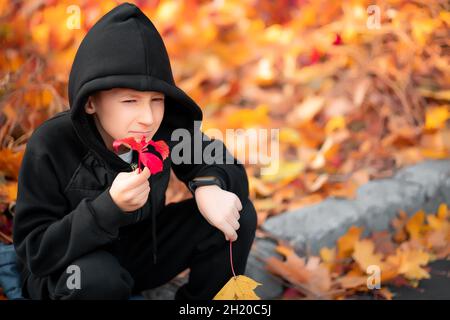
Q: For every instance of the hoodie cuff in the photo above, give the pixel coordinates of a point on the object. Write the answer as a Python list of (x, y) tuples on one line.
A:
[(219, 173), (107, 214)]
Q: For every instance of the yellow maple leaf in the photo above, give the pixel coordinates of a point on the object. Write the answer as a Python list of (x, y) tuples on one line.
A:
[(328, 255), (290, 136), (436, 117), (415, 224), (439, 221), (249, 118), (238, 288), (335, 123), (442, 211), (346, 243), (287, 171), (410, 262), (365, 256), (435, 223)]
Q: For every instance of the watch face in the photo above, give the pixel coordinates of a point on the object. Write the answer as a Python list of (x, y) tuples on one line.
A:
[(205, 179)]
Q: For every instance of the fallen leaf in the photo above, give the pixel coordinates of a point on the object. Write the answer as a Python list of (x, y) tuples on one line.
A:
[(350, 282), (410, 262), (307, 110), (346, 243), (385, 293), (415, 224), (238, 288), (313, 276), (365, 256), (436, 117)]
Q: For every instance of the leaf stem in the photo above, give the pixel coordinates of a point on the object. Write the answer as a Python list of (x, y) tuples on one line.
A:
[(231, 258), (139, 162)]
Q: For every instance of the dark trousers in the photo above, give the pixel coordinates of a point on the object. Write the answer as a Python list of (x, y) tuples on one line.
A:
[(184, 240)]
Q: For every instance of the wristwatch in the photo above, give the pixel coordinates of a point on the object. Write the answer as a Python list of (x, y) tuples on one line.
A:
[(204, 181)]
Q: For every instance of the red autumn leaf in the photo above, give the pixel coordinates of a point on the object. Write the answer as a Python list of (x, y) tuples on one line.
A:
[(151, 161), (338, 40), (315, 56), (161, 147)]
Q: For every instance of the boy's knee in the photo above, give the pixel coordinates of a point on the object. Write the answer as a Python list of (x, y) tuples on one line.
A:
[(100, 277)]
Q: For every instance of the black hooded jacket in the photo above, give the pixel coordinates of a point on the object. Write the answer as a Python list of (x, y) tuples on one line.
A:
[(64, 209)]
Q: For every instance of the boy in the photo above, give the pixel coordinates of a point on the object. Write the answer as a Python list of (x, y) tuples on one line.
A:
[(82, 207)]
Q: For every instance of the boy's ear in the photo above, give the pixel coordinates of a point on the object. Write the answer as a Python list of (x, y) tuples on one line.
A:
[(89, 107)]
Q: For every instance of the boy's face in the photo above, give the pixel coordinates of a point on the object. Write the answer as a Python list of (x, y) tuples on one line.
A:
[(122, 112)]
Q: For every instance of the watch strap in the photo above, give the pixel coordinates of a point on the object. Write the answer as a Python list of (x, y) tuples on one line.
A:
[(204, 181)]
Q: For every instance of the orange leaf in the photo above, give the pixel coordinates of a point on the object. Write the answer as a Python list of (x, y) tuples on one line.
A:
[(346, 243), (415, 224)]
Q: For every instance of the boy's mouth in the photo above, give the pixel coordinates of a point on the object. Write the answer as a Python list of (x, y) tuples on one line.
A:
[(145, 133), (137, 135)]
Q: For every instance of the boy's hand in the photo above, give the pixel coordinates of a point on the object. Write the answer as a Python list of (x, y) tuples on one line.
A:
[(220, 208), (130, 190)]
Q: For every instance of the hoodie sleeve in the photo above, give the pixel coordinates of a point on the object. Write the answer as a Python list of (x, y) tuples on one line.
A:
[(47, 235), (225, 167)]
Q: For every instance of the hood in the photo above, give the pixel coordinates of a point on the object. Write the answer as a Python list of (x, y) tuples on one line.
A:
[(124, 49)]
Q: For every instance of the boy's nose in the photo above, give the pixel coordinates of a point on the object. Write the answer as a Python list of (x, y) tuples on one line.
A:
[(147, 117)]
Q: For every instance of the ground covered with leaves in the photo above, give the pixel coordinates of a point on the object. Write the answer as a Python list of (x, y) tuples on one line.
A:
[(398, 259)]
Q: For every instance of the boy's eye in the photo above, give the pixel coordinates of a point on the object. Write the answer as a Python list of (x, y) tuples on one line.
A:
[(134, 100)]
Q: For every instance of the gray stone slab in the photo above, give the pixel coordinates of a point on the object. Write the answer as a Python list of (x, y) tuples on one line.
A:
[(433, 177), (380, 201), (313, 227)]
